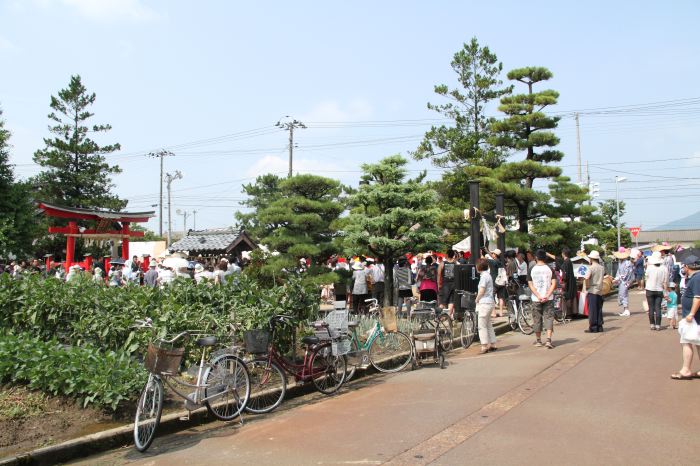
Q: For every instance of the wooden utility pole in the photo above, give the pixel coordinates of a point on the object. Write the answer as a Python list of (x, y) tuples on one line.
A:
[(475, 221), (500, 219), (289, 126)]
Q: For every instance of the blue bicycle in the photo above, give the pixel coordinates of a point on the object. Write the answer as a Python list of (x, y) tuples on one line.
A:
[(385, 351)]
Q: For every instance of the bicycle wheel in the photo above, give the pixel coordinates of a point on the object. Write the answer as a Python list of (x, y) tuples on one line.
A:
[(352, 367), (227, 389), (268, 385), (512, 321), (148, 411), (327, 371), (445, 331), (525, 320), (391, 352), (468, 329)]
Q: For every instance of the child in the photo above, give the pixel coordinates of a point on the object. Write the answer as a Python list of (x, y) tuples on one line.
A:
[(672, 306)]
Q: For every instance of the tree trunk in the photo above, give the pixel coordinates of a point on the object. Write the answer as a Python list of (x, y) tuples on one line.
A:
[(522, 218), (388, 262)]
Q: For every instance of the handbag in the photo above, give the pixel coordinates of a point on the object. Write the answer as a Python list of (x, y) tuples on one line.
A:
[(689, 331), (502, 277)]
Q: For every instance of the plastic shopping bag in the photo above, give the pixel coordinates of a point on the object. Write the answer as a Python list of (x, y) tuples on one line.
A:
[(689, 331)]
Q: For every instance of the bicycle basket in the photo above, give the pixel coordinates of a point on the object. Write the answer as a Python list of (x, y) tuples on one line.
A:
[(468, 301), (340, 347), (388, 319), (163, 361), (337, 323), (256, 341)]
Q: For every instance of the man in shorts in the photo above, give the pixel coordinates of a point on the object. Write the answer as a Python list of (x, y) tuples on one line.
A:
[(446, 282), (542, 283)]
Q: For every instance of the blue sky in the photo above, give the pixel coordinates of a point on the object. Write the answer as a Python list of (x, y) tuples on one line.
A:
[(169, 73)]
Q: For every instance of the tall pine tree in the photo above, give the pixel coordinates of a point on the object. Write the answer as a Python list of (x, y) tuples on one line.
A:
[(76, 173), (527, 128)]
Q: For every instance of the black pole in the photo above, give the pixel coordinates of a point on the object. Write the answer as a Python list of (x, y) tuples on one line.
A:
[(500, 212), (475, 220)]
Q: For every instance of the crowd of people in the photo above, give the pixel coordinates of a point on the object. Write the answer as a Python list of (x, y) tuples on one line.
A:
[(132, 272)]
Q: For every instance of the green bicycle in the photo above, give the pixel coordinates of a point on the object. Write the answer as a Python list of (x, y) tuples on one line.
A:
[(385, 351)]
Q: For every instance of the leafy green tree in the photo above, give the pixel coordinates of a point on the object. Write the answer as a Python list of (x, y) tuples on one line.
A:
[(299, 224), (567, 218), (606, 231), (466, 140), (18, 227), (391, 215), (527, 128), (76, 173), (148, 235), (260, 194)]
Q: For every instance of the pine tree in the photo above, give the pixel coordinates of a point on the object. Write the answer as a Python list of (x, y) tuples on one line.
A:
[(391, 216), (466, 141), (18, 227), (260, 194), (526, 128), (76, 173)]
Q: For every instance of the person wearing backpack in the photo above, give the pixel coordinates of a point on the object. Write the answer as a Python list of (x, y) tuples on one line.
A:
[(500, 279), (446, 282), (427, 277)]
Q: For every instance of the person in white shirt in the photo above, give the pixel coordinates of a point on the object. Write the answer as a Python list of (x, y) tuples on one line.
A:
[(485, 304), (656, 284), (542, 284)]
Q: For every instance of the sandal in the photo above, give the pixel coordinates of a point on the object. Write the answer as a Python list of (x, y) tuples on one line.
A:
[(679, 376), (484, 350)]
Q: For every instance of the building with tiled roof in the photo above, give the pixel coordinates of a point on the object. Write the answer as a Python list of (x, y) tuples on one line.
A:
[(214, 243)]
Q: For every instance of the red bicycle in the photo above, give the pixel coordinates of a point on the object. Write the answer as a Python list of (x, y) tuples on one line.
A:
[(268, 374)]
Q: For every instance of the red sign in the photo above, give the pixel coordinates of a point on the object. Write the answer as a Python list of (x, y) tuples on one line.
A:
[(635, 231)]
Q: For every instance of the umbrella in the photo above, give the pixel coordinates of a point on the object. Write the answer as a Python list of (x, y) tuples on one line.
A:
[(680, 255), (117, 261), (176, 262)]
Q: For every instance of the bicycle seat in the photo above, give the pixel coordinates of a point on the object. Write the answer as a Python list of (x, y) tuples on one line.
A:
[(353, 323), (206, 341), (310, 340)]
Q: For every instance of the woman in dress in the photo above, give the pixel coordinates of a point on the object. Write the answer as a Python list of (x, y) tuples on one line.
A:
[(624, 279)]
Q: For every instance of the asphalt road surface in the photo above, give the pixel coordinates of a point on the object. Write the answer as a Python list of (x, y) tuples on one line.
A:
[(594, 399)]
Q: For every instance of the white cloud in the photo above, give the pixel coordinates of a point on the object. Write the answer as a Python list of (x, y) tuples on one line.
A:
[(5, 44), (105, 10), (331, 110)]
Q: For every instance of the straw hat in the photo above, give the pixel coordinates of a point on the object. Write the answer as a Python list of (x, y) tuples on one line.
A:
[(622, 253), (594, 255), (655, 258), (661, 247)]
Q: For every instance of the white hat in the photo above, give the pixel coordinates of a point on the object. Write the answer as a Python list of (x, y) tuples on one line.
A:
[(497, 251), (199, 268), (655, 258), (594, 255), (153, 264), (357, 265)]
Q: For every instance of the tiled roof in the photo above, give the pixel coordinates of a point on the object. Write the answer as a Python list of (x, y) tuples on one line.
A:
[(206, 240)]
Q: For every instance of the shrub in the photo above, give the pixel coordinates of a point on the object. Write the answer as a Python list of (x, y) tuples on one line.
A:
[(102, 378)]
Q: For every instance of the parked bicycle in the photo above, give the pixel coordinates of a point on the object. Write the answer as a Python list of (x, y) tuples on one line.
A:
[(559, 311), (319, 366), (222, 383), (519, 309), (469, 319), (387, 350)]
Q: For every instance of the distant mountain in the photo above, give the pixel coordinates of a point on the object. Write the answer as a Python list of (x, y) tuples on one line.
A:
[(691, 222)]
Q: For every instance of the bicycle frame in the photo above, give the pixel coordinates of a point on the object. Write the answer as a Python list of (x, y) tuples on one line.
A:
[(301, 372)]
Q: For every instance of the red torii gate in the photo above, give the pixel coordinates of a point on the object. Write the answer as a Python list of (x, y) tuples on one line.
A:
[(105, 220)]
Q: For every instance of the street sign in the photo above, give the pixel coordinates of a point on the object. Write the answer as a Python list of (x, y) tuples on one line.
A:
[(635, 231)]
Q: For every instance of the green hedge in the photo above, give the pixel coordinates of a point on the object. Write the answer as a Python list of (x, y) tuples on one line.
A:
[(81, 312), (101, 378)]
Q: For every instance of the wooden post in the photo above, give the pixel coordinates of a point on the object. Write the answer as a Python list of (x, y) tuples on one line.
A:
[(125, 241), (475, 221), (500, 213)]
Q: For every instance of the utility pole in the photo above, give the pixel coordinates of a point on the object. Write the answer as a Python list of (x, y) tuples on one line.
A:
[(578, 150), (184, 214), (169, 180), (289, 126), (194, 217), (160, 154)]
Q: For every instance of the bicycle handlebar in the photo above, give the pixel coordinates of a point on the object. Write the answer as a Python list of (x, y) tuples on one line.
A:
[(371, 300)]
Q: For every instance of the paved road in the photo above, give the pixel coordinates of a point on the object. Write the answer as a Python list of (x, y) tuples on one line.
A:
[(594, 399)]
